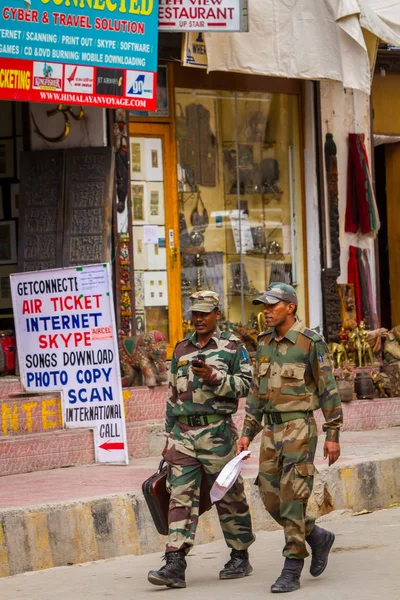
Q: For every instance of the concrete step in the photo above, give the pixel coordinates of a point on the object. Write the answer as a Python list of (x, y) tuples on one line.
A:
[(70, 516), (42, 451), (9, 385)]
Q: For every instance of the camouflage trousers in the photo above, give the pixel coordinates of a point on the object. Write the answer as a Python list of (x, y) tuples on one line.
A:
[(193, 452), (286, 479)]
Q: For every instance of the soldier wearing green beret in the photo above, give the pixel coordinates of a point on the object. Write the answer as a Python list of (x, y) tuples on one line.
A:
[(293, 377), (202, 438)]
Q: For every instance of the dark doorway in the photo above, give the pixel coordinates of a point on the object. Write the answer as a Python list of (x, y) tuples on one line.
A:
[(383, 254)]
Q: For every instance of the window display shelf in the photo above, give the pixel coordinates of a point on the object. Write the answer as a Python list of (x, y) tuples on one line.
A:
[(255, 295), (267, 257), (273, 195), (251, 173)]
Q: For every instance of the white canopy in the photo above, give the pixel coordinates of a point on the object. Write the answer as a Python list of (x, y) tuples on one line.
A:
[(317, 39)]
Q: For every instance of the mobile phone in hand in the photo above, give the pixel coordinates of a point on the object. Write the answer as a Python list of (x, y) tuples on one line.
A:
[(199, 360)]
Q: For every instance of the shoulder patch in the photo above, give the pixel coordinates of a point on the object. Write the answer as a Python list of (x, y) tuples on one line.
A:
[(312, 335), (182, 363), (264, 359)]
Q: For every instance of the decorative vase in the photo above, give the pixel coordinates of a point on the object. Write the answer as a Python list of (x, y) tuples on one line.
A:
[(345, 389), (364, 386)]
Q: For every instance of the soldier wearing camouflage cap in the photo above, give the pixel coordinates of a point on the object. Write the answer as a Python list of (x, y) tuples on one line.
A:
[(293, 377), (202, 439)]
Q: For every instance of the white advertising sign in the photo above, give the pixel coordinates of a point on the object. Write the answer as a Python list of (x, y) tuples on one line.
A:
[(194, 50), (67, 342), (241, 231), (202, 15)]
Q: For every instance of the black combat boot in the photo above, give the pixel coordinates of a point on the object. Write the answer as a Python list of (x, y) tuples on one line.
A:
[(238, 566), (321, 542), (172, 574), (289, 579)]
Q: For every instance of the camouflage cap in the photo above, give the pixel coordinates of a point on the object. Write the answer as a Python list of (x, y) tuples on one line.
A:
[(204, 301), (277, 292)]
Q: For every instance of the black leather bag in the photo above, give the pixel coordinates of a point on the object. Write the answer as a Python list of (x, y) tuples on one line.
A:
[(157, 497)]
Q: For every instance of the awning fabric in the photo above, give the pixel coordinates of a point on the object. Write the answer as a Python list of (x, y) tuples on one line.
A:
[(324, 39)]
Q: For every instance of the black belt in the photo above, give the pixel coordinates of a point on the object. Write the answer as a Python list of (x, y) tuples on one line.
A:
[(201, 420), (278, 418)]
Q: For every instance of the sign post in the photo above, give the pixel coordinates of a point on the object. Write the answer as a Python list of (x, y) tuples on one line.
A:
[(67, 342), (203, 15), (84, 52)]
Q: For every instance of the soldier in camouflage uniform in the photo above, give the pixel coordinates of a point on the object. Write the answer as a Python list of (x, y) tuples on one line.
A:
[(202, 440), (293, 377)]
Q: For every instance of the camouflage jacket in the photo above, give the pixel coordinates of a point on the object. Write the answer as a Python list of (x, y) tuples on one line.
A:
[(189, 395), (293, 374)]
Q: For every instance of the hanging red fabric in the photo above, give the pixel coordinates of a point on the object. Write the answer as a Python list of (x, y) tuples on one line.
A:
[(361, 212)]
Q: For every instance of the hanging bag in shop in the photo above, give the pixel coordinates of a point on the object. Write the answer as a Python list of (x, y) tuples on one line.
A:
[(199, 221)]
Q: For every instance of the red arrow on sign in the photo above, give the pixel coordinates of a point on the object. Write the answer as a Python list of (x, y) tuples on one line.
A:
[(112, 446)]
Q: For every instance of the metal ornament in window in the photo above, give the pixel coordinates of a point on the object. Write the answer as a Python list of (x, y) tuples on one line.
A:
[(259, 240), (199, 222), (256, 126), (196, 238), (274, 248), (269, 176), (199, 260), (186, 286)]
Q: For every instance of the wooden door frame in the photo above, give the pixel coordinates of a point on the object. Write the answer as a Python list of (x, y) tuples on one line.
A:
[(166, 132), (392, 161)]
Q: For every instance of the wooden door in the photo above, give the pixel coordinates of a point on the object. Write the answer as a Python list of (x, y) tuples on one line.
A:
[(155, 177), (392, 152)]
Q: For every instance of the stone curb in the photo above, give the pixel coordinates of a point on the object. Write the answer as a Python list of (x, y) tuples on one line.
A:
[(79, 531)]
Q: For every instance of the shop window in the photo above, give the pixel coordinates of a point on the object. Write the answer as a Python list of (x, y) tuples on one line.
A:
[(149, 235), (240, 197)]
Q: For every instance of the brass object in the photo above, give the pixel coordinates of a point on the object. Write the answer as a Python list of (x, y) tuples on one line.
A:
[(348, 313), (359, 347), (338, 353), (66, 112), (187, 327), (382, 384), (261, 322)]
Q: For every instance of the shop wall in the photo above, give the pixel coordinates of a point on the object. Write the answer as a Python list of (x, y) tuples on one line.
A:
[(345, 111), (386, 100), (90, 131)]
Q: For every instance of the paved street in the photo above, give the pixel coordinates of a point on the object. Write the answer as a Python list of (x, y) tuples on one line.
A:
[(363, 565)]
